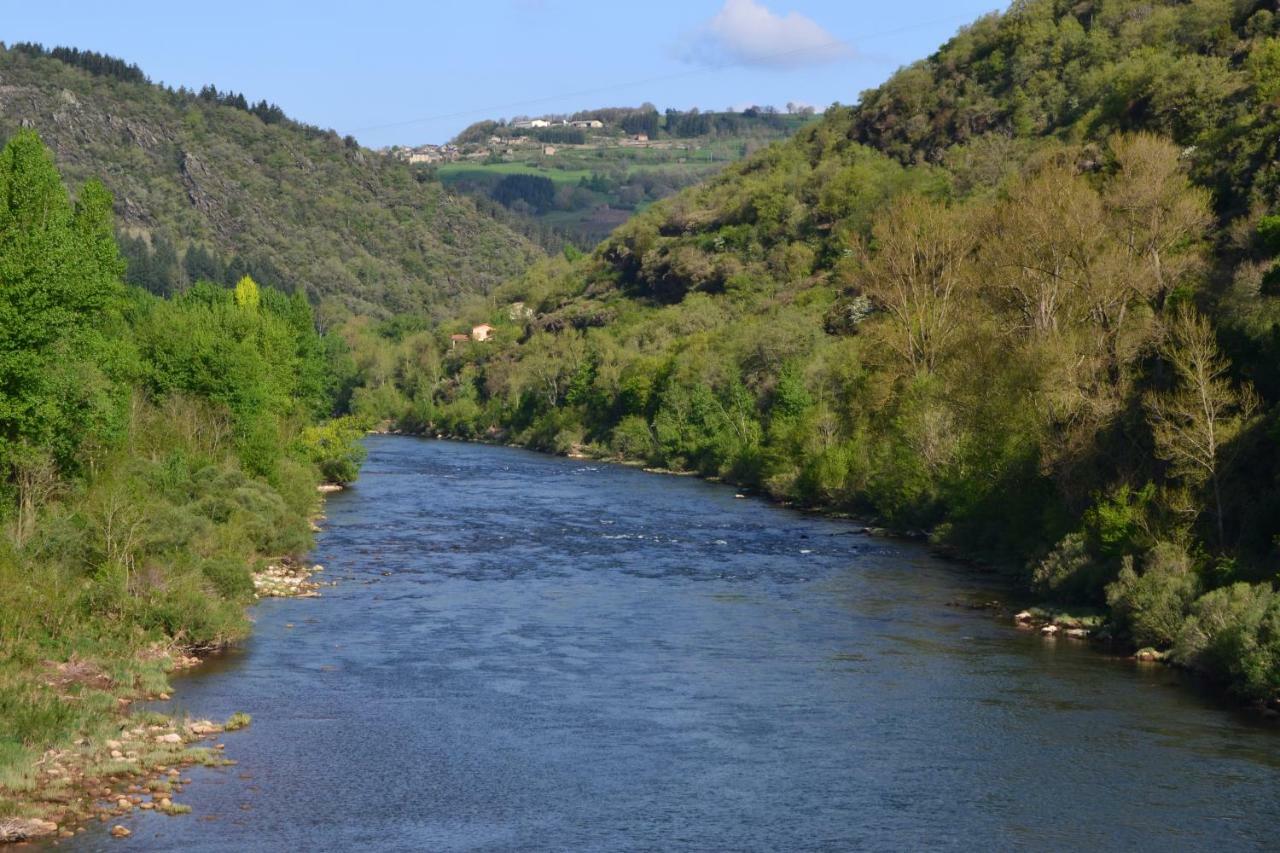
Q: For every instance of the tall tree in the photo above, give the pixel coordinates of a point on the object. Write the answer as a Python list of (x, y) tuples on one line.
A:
[(1195, 421)]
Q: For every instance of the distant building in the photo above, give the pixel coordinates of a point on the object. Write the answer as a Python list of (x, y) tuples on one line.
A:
[(641, 137), (592, 124), (454, 340), (549, 150), (482, 332), (527, 124)]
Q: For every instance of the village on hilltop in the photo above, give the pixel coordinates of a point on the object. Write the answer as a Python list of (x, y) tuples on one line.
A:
[(547, 135)]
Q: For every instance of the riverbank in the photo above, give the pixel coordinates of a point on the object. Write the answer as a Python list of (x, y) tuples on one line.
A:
[(116, 761)]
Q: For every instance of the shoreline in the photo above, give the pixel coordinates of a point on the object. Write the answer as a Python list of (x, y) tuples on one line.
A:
[(135, 760)]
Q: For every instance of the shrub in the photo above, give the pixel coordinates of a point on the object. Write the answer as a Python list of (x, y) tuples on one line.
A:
[(632, 438), (335, 449), (1152, 605), (230, 577), (1234, 634)]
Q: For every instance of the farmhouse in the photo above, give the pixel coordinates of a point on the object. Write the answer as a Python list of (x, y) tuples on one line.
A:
[(482, 332), (593, 124)]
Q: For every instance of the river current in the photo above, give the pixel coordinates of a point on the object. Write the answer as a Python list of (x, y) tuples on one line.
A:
[(534, 653)]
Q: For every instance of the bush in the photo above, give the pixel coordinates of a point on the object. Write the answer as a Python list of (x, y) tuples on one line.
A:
[(335, 449), (1071, 572), (230, 577), (632, 439), (1152, 606), (1234, 634)]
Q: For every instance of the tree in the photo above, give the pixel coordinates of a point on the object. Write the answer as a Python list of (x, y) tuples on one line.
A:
[(247, 295), (59, 271), (1195, 421), (1160, 218), (917, 276)]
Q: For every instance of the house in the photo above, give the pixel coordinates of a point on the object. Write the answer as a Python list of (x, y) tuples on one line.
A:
[(641, 137), (527, 124), (482, 332), (587, 124), (549, 150), (454, 340)]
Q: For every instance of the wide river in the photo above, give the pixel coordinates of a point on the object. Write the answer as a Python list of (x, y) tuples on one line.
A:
[(526, 652)]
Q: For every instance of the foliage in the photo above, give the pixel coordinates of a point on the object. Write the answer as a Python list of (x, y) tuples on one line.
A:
[(1153, 605), (334, 448), (151, 453)]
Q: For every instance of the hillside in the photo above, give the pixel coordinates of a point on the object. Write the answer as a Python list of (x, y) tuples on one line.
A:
[(207, 186), (578, 177), (1022, 298)]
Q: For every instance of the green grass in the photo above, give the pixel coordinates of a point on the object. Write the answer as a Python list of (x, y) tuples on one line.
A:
[(237, 721)]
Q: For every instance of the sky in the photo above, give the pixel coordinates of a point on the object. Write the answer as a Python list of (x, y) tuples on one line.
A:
[(418, 71)]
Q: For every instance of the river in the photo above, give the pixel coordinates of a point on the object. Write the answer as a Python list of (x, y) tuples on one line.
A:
[(527, 652)]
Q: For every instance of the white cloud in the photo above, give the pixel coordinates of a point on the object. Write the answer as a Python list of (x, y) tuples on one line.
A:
[(745, 32)]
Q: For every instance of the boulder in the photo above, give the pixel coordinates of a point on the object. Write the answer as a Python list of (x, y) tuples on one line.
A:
[(119, 831), (1049, 630), (13, 830), (1024, 616)]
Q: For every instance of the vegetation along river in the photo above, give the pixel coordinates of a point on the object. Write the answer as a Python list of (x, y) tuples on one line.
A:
[(527, 652)]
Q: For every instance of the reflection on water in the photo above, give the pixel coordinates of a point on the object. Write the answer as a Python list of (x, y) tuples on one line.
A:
[(532, 653)]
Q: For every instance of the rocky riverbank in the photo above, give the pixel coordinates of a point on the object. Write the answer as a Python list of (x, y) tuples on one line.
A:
[(135, 766)]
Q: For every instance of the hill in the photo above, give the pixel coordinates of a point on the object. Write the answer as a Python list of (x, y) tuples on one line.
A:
[(209, 186), (577, 177), (1022, 298)]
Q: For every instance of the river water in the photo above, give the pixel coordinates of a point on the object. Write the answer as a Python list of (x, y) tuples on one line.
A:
[(526, 652)]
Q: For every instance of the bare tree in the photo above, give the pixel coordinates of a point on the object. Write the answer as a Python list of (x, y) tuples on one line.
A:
[(1198, 418)]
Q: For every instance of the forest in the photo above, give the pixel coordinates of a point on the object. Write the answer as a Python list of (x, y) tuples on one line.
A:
[(153, 452), (1021, 300)]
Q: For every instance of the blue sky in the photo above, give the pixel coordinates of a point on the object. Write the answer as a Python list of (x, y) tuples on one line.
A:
[(408, 72)]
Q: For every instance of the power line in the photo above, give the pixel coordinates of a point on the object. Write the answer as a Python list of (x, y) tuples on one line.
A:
[(679, 75)]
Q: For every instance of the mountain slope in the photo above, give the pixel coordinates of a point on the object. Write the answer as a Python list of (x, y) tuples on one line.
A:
[(293, 205), (1033, 313)]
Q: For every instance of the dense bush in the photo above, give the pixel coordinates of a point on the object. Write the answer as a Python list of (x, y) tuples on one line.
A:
[(1153, 605)]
